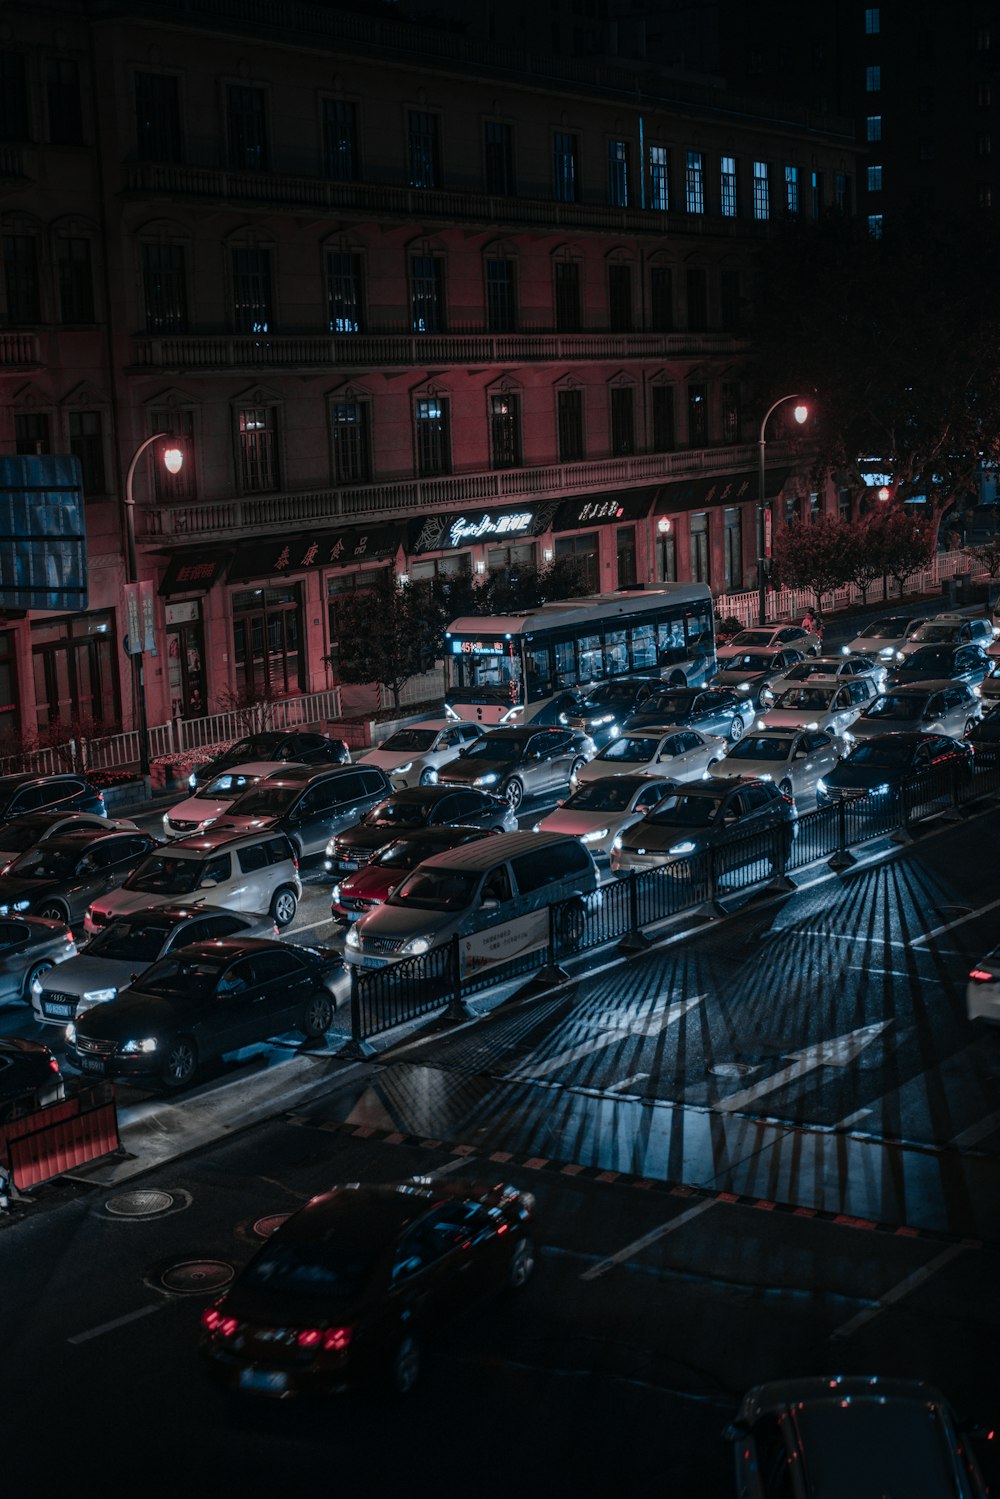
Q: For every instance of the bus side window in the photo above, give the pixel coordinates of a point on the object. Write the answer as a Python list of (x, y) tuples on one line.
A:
[(670, 641), (565, 664), (643, 646)]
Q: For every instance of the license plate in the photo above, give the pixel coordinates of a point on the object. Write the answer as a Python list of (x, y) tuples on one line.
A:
[(273, 1381), (376, 962), (91, 1064), (345, 863), (57, 1009)]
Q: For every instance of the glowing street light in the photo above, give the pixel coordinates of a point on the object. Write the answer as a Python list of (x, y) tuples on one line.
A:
[(801, 413)]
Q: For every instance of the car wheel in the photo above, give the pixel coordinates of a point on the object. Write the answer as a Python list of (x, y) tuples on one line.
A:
[(522, 1264), (33, 973), (514, 792), (284, 906), (576, 767), (180, 1062), (969, 726), (428, 778), (572, 922), (52, 913), (737, 728), (317, 1017), (404, 1368)]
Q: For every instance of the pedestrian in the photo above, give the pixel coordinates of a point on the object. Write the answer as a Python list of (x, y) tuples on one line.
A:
[(812, 621)]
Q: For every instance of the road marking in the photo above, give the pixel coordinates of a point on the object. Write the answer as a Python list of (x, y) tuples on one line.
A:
[(959, 920), (899, 1291), (896, 973), (636, 1077), (455, 1165), (637, 1244), (663, 1018), (977, 1132), (307, 926), (853, 1118), (794, 931), (97, 1332), (839, 1051)]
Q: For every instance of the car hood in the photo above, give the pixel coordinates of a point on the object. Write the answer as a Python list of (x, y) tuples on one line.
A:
[(198, 809), (873, 728), (131, 1016), (575, 824), (465, 772), (371, 884), (799, 718), (366, 835), (732, 674), (764, 770), (118, 902), (407, 921), (659, 837), (82, 975), (864, 777), (389, 759), (12, 889), (596, 770)]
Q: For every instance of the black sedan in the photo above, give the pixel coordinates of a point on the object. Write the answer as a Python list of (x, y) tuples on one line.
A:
[(956, 663), (351, 1287), (29, 947), (607, 706), (297, 746), (411, 808), (520, 762), (878, 767), (712, 710), (207, 999), (17, 836), (59, 878), (29, 1076)]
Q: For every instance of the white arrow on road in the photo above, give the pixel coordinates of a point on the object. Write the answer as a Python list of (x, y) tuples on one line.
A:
[(839, 1051), (649, 1024)]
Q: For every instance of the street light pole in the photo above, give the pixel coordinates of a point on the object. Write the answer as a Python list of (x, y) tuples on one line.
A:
[(801, 412), (172, 458)]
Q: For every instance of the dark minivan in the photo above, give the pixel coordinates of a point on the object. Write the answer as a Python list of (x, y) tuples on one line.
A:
[(310, 805)]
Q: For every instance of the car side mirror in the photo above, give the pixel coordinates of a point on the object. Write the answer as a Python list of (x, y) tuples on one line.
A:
[(489, 903), (207, 883)]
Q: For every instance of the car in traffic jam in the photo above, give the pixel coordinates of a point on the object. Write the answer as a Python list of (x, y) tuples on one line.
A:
[(879, 767), (60, 878), (371, 886), (520, 762), (692, 819), (406, 811), (289, 746)]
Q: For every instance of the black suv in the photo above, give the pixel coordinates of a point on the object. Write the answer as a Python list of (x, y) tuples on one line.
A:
[(20, 794), (956, 663), (59, 878), (297, 746), (310, 805)]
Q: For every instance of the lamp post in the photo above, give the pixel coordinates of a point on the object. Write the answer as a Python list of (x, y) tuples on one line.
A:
[(801, 412), (173, 457)]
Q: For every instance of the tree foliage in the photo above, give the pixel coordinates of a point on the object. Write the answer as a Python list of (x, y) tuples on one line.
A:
[(821, 555), (898, 339), (988, 554), (812, 555)]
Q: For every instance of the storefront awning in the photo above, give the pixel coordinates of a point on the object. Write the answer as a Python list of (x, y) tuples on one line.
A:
[(605, 508), (466, 528), (274, 556), (193, 570), (702, 491)]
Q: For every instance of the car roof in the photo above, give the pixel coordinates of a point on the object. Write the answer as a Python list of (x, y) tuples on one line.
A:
[(367, 1215), (27, 777), (449, 835), (258, 767), (780, 1394), (482, 855), (905, 737), (83, 837), (925, 688), (421, 794), (524, 731), (225, 949), (175, 914), (213, 838), (295, 775)]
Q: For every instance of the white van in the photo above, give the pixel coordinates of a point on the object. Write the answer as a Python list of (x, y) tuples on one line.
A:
[(487, 884)]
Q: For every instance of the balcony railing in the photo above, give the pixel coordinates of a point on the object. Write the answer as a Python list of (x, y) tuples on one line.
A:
[(19, 351), (271, 189), (194, 353), (255, 515)]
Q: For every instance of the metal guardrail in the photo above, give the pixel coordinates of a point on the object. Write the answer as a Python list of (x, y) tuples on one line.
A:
[(621, 910)]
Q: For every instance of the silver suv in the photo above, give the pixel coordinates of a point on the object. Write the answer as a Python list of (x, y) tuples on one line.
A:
[(941, 707), (242, 871)]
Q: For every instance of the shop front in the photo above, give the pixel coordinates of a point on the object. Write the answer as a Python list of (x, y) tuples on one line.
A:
[(473, 542), (705, 528), (189, 578), (605, 536)]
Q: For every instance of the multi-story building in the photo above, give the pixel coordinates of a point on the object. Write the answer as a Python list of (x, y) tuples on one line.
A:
[(410, 301)]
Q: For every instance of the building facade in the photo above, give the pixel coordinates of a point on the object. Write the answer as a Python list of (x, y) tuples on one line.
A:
[(408, 301)]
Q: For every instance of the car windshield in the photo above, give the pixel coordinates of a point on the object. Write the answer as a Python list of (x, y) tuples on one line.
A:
[(175, 976), (671, 705), (130, 941), (417, 740), (492, 747), (166, 874), (760, 747), (402, 814), (931, 660), (328, 1269), (887, 629), (805, 697), (609, 794), (933, 631), (264, 801), (609, 695), (807, 669), (43, 862), (256, 747), (895, 706), (905, 1451), (436, 890), (16, 839), (753, 637), (686, 811), (404, 853), (879, 752), (750, 661), (227, 787), (631, 749)]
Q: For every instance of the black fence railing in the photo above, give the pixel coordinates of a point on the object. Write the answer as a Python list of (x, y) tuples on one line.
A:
[(620, 911)]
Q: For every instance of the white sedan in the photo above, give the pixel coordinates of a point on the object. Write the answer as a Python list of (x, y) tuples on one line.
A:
[(772, 638), (680, 754), (823, 670), (414, 755), (982, 992), (823, 706), (598, 812), (794, 759), (885, 637), (198, 811)]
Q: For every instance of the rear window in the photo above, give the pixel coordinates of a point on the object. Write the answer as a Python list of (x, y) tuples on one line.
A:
[(560, 861), (328, 1269)]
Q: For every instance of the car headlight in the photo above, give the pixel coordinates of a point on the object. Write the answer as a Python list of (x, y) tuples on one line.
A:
[(900, 656), (882, 790), (848, 737), (192, 780), (886, 653), (596, 836), (598, 723), (416, 946), (335, 893), (977, 689), (821, 785), (761, 724), (401, 770), (845, 650), (564, 718), (21, 905), (537, 828), (71, 1032), (813, 725), (353, 940), (618, 842), (743, 687), (99, 996), (489, 779), (36, 986), (765, 775), (133, 1048), (687, 847), (613, 730)]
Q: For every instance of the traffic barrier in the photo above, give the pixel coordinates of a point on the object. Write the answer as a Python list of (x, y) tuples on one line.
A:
[(45, 1142), (624, 907)]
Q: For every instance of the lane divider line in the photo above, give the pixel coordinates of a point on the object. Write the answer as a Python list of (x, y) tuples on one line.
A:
[(898, 1292), (651, 1238)]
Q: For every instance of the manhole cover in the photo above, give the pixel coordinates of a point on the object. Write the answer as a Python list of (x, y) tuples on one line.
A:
[(139, 1204), (733, 1069), (265, 1227), (192, 1276)]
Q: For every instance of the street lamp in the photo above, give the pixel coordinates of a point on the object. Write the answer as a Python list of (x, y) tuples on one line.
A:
[(173, 458), (801, 412)]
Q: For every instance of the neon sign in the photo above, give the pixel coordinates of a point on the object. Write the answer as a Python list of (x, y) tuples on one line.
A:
[(477, 647), (462, 530)]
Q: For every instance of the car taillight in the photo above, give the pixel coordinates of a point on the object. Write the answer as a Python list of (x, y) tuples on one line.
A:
[(330, 1339), (277, 930), (213, 1320), (295, 861), (69, 936), (53, 1065), (103, 809), (980, 976)]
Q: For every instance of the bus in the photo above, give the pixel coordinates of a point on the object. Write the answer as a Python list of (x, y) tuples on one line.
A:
[(530, 668)]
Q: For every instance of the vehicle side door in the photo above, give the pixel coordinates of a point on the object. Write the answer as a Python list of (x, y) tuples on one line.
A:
[(429, 1271), (446, 812), (281, 982), (843, 713), (230, 886), (229, 1020), (252, 881), (15, 959), (316, 815), (473, 807), (821, 755)]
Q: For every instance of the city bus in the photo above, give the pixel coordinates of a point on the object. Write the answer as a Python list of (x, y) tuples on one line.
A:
[(520, 668)]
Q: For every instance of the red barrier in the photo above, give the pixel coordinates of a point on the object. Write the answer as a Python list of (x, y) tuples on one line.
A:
[(61, 1137)]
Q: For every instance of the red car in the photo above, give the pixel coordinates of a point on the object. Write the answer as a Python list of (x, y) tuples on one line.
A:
[(359, 892)]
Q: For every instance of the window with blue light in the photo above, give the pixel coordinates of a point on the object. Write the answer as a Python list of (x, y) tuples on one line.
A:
[(659, 178), (874, 179), (873, 128), (618, 173), (694, 182), (761, 191), (873, 78), (875, 225), (873, 20), (727, 187), (792, 190)]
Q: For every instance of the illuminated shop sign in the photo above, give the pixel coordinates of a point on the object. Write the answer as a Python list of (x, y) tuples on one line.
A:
[(441, 533), (478, 647), (462, 531)]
